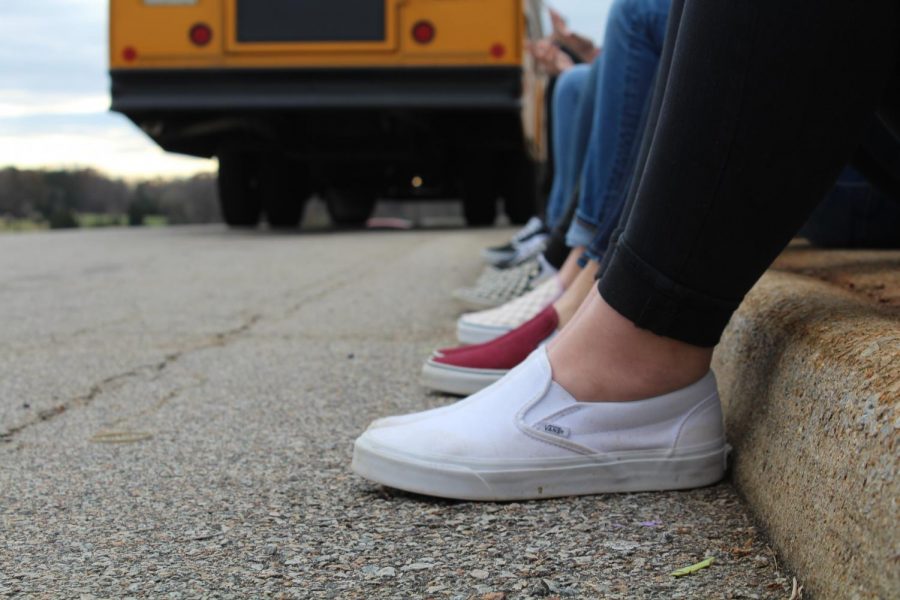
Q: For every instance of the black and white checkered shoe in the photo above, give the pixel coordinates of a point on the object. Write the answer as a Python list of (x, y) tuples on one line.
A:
[(498, 286)]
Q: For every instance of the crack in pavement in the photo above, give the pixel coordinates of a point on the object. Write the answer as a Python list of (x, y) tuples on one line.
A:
[(199, 381), (215, 340), (155, 370)]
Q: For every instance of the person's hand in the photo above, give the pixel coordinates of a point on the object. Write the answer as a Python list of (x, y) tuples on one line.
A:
[(560, 26), (580, 45), (549, 57)]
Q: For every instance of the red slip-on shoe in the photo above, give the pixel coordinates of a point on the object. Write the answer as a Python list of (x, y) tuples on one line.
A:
[(468, 369)]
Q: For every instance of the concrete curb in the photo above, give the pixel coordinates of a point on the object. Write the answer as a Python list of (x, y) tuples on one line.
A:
[(810, 378)]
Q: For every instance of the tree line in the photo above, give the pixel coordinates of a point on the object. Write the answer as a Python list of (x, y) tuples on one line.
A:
[(60, 198)]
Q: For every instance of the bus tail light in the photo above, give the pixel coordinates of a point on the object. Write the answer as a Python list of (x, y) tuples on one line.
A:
[(423, 32), (201, 34)]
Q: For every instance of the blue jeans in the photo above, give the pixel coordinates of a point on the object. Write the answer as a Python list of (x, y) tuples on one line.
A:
[(854, 214), (571, 106), (625, 72)]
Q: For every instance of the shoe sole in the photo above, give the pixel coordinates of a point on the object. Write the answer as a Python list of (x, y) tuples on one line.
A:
[(475, 303), (497, 258), (470, 333), (458, 380), (485, 482)]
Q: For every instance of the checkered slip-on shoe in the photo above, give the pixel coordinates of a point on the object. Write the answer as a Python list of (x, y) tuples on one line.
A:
[(498, 286), (486, 325)]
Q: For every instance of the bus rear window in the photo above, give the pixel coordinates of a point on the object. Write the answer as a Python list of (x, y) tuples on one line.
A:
[(310, 20)]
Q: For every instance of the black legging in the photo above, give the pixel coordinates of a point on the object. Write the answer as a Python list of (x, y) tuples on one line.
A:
[(758, 106)]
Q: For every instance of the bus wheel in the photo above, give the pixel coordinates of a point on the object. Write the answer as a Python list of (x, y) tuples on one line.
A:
[(349, 208), (238, 197), (283, 189), (480, 209), (479, 192), (520, 193)]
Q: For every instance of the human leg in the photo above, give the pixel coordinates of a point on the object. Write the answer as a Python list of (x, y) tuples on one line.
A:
[(633, 45), (527, 436), (762, 108), (752, 128), (567, 95)]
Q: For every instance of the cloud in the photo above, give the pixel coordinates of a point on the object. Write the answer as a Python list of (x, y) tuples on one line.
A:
[(22, 103), (115, 151), (107, 142), (53, 45), (54, 95)]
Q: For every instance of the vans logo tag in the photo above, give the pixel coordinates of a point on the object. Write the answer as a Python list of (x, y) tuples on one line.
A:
[(556, 430)]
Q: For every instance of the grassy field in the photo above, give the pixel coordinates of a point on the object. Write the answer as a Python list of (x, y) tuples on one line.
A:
[(85, 221), (16, 225)]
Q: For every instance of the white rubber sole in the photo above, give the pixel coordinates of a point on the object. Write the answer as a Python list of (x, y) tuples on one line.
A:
[(475, 303), (649, 471), (470, 333), (458, 380)]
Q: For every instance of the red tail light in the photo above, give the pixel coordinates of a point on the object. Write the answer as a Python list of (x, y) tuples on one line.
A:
[(129, 54), (498, 50), (201, 34), (423, 32)]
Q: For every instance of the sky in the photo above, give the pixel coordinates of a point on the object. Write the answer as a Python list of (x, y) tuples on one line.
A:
[(54, 90)]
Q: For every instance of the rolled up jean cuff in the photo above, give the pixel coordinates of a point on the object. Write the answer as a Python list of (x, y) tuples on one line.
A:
[(590, 255), (653, 301), (596, 250), (580, 233)]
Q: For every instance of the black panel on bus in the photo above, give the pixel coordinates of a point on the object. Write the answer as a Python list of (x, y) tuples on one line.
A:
[(310, 20)]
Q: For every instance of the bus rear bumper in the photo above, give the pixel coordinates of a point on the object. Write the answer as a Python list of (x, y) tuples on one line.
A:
[(154, 90)]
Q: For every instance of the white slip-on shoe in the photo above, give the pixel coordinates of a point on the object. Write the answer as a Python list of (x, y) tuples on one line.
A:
[(486, 325), (525, 437), (418, 416)]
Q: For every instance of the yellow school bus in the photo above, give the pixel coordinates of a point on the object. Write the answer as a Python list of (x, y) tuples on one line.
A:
[(350, 99)]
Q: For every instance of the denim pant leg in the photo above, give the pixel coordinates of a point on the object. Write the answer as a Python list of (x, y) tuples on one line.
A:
[(854, 214), (635, 34), (575, 146), (566, 97)]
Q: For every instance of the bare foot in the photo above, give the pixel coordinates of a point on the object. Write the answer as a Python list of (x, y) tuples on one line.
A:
[(602, 356)]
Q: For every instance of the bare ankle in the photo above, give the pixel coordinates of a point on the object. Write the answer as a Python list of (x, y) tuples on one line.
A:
[(602, 356), (570, 269), (568, 304)]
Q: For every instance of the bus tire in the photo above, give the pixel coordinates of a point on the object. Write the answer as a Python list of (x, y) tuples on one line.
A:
[(238, 194), (349, 207), (480, 210), (520, 195), (480, 191), (283, 190)]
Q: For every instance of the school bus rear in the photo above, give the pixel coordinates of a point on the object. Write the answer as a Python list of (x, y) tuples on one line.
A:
[(352, 99)]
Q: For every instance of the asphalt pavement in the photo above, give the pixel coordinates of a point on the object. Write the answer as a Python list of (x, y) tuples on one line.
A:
[(177, 412)]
